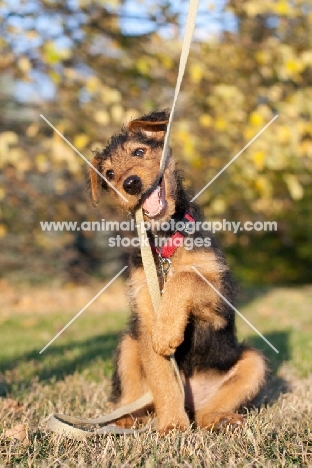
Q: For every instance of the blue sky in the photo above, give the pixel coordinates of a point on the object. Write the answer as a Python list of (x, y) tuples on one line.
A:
[(211, 21), (211, 18)]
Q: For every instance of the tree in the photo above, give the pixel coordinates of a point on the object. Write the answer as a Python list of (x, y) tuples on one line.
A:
[(76, 64)]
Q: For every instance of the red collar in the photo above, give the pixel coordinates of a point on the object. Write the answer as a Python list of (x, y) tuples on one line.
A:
[(176, 239)]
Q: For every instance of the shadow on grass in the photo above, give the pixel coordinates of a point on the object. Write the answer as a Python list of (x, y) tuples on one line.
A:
[(58, 361), (275, 385), (61, 360), (280, 340)]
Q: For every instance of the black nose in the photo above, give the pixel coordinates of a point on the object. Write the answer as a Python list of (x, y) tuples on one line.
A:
[(133, 185)]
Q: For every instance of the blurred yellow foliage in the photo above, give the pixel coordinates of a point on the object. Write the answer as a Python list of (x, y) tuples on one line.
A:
[(283, 134), (220, 124), (55, 77), (109, 95), (206, 120), (117, 113), (54, 54), (92, 77), (102, 117), (263, 186), (143, 65), (256, 119), (259, 158), (59, 186), (81, 140), (294, 67), (218, 205), (42, 163), (196, 73), (294, 186), (282, 7), (93, 84), (264, 57), (24, 64), (3, 230)]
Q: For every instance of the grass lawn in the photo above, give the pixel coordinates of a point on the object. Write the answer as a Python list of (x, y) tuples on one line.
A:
[(72, 377)]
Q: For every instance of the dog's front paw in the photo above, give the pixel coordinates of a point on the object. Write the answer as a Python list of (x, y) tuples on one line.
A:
[(165, 342), (180, 424)]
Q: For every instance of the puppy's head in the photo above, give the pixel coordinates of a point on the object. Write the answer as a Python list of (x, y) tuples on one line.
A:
[(129, 168)]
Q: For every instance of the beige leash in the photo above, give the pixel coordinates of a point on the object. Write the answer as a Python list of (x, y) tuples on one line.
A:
[(187, 39), (152, 279), (66, 425), (146, 252)]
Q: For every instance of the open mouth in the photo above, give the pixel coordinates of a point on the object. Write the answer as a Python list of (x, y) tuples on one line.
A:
[(155, 204)]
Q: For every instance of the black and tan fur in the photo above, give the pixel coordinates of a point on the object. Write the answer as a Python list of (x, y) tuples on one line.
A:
[(219, 374)]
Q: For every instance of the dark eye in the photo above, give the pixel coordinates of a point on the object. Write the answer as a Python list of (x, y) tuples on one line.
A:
[(110, 174), (139, 152)]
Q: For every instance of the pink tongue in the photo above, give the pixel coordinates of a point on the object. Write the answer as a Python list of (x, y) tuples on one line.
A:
[(152, 204)]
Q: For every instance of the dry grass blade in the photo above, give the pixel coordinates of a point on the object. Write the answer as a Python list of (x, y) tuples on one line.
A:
[(277, 433)]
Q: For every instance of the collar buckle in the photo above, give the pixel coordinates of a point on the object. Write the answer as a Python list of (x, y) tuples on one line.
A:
[(164, 266), (188, 228)]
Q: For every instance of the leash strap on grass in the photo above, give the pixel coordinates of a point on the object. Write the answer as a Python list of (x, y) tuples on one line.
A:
[(65, 425), (60, 424)]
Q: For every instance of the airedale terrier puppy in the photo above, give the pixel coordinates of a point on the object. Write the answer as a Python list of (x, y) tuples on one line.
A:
[(193, 322)]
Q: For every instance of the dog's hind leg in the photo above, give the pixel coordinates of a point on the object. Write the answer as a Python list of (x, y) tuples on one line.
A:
[(229, 391)]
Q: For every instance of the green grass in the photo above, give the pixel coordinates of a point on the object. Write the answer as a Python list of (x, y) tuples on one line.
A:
[(282, 316), (72, 376), (87, 344)]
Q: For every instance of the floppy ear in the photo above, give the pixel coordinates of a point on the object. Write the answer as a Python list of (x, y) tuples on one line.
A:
[(151, 129), (96, 182)]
